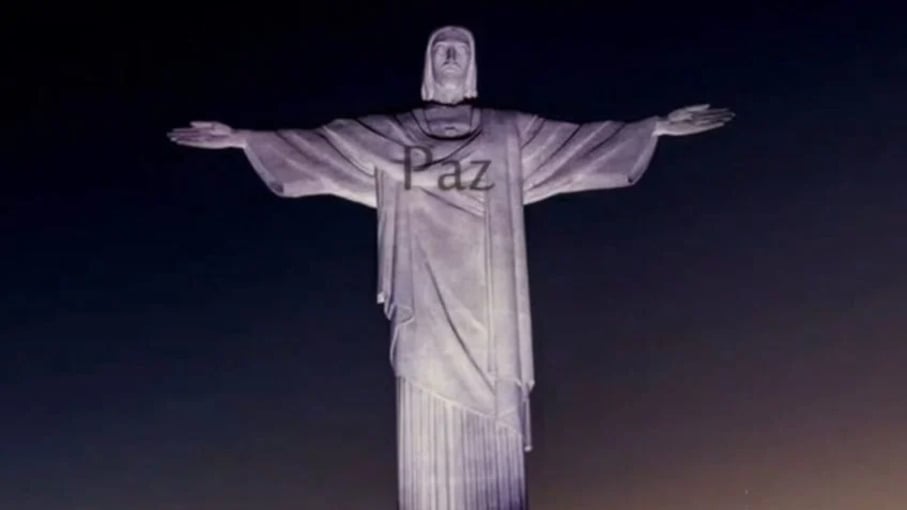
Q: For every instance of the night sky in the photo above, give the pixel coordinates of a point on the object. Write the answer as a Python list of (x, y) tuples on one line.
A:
[(727, 334)]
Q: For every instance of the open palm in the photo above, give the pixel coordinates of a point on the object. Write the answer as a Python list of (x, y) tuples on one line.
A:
[(207, 135), (694, 119)]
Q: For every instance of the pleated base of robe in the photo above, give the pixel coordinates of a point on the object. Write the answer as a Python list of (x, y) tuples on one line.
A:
[(452, 458)]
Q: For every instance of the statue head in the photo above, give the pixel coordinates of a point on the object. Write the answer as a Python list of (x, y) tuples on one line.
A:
[(450, 66)]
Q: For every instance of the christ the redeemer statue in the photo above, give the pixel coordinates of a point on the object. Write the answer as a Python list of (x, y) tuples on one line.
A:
[(449, 181)]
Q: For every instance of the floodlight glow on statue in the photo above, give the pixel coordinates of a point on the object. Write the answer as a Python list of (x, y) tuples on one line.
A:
[(452, 259)]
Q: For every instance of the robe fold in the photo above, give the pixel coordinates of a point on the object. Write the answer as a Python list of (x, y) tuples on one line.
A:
[(452, 273)]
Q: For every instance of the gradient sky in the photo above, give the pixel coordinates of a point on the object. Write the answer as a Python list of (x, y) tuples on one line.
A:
[(728, 334)]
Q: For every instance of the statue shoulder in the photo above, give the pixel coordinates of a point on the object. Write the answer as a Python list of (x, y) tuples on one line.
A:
[(506, 113), (378, 122), (521, 121), (519, 115)]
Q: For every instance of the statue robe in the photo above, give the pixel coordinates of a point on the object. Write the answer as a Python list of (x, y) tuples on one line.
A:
[(452, 273)]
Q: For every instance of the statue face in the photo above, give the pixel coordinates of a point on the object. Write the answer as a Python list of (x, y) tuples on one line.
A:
[(449, 75), (450, 56)]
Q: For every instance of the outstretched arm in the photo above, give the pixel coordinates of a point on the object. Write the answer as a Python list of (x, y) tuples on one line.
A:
[(332, 159), (562, 157)]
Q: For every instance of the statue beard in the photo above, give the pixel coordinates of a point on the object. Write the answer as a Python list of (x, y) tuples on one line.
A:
[(450, 92), (451, 89)]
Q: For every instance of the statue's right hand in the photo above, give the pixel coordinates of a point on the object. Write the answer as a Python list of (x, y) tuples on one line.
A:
[(208, 135)]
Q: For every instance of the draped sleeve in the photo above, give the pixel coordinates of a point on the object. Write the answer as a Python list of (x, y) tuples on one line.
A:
[(563, 157), (338, 158)]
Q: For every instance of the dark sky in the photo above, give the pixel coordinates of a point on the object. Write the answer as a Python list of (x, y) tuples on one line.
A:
[(727, 334)]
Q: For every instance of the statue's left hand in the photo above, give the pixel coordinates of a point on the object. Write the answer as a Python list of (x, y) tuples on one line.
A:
[(209, 135), (690, 120)]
